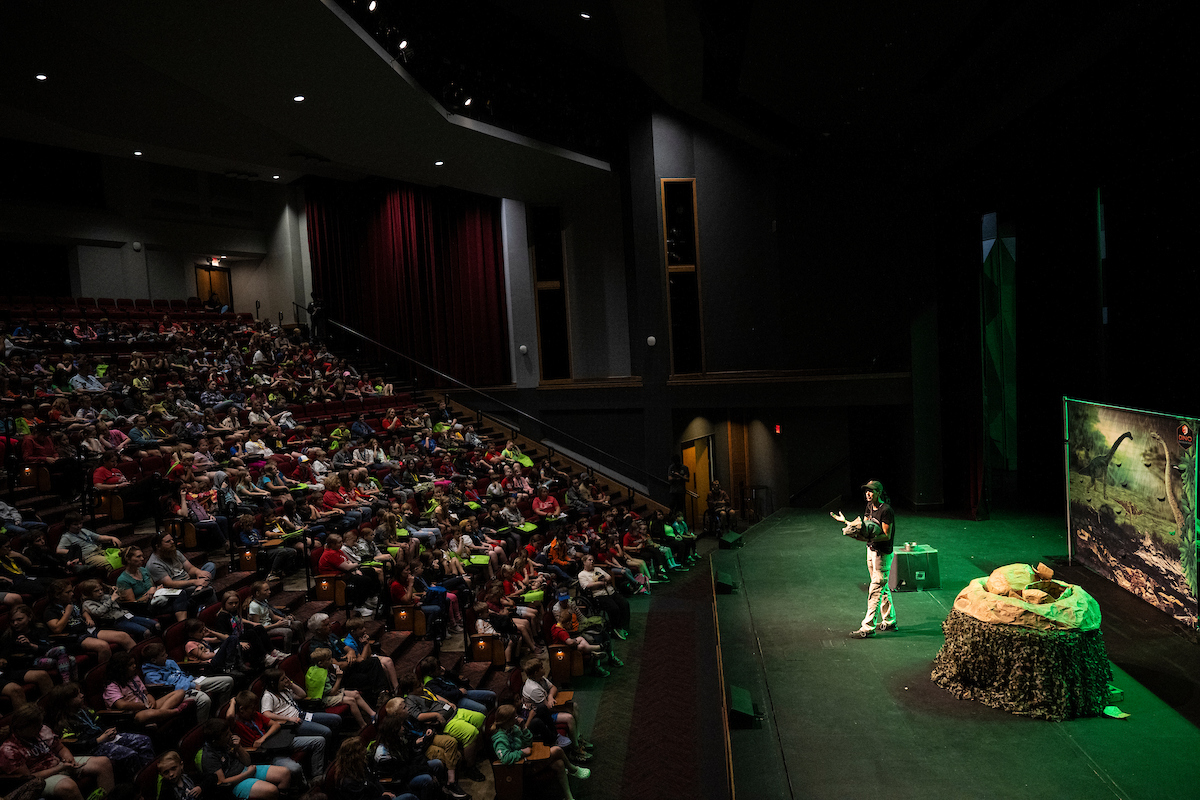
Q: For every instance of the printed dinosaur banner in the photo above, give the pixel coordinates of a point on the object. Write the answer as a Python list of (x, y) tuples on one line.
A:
[(1131, 483)]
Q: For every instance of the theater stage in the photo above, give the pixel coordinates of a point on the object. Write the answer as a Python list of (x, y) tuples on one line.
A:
[(861, 718)]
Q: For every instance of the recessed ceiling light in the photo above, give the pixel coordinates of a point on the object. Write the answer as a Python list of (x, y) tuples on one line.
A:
[(438, 163), (372, 6), (137, 152), (299, 98), (403, 43), (467, 102), (275, 177), (586, 16), (41, 76)]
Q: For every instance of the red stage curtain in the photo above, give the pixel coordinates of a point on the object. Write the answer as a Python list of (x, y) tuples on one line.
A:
[(419, 269)]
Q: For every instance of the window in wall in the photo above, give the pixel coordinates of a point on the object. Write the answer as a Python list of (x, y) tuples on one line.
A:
[(550, 289), (680, 249)]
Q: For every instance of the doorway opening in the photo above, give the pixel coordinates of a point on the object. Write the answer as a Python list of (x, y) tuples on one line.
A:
[(214, 281), (697, 457)]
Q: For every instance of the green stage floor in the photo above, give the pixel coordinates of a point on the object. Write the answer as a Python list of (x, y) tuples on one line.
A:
[(860, 718)]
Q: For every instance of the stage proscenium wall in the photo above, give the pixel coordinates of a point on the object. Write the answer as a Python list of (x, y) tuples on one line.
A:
[(1131, 488)]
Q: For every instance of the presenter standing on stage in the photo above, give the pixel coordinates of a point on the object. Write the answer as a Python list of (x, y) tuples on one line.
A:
[(879, 522)]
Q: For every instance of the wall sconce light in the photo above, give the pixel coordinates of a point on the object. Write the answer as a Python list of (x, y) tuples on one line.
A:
[(523, 349)]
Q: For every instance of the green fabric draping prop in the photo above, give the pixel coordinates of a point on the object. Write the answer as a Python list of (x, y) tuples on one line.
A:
[(1046, 674)]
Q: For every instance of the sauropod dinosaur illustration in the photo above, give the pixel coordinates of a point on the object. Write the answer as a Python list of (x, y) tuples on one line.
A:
[(1098, 466), (1175, 509)]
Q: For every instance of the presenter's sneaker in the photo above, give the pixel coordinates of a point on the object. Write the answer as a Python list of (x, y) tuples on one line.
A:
[(862, 634), (885, 627)]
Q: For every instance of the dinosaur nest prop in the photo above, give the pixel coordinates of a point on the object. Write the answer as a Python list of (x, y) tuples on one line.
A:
[(1020, 595), (1022, 642)]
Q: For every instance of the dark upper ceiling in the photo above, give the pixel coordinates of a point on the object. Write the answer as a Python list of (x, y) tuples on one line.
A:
[(209, 85)]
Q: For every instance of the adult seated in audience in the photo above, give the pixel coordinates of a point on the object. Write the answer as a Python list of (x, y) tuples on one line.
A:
[(333, 500), (106, 478), (718, 505), (545, 506), (170, 570), (137, 589), (78, 542), (600, 586)]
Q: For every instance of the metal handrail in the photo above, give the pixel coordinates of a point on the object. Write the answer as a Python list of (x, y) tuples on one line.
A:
[(558, 432)]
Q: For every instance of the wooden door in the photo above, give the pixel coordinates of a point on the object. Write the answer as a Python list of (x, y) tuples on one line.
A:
[(696, 459)]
